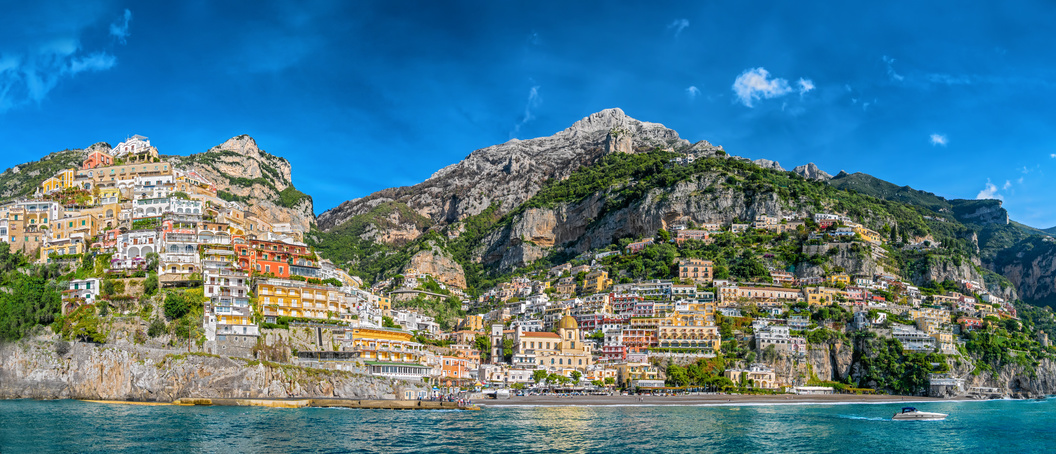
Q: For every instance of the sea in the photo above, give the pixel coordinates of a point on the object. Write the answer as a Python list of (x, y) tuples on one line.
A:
[(1012, 426)]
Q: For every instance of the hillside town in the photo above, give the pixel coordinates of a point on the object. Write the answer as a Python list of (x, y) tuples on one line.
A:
[(141, 222)]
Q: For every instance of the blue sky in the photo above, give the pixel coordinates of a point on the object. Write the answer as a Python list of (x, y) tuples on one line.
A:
[(360, 96)]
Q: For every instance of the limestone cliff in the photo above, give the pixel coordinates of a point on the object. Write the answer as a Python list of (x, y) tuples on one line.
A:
[(438, 263), (1032, 270), (586, 224), (33, 369), (811, 172), (261, 181)]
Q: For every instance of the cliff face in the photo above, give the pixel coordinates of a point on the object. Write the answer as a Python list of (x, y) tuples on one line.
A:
[(255, 178), (511, 173), (439, 264), (1034, 275), (584, 225), (33, 369)]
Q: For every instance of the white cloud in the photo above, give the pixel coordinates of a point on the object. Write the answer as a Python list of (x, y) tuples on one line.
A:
[(692, 92), (891, 69), (678, 25), (939, 139), (989, 192), (99, 61), (1053, 155), (35, 58), (756, 83), (805, 85), (533, 101), (119, 29), (1008, 184)]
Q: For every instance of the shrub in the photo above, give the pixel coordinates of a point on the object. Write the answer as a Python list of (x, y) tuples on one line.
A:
[(62, 347), (150, 285), (176, 305), (157, 328)]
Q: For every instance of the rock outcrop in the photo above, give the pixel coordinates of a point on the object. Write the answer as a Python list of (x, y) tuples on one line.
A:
[(768, 164), (440, 265), (33, 369), (253, 176), (812, 172)]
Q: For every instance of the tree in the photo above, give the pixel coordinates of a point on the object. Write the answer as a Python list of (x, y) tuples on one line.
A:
[(152, 261), (576, 375), (177, 305), (663, 236), (539, 375), (388, 322), (83, 325), (108, 287), (150, 284), (483, 344)]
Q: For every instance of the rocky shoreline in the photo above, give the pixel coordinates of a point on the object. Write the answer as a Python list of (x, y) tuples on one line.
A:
[(33, 369)]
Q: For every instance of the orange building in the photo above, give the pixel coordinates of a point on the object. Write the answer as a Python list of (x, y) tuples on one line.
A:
[(276, 258), (97, 159)]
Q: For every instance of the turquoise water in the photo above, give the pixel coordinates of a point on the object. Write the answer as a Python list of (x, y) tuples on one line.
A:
[(72, 426)]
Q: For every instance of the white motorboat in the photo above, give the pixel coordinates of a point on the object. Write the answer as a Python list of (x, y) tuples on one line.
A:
[(912, 414)]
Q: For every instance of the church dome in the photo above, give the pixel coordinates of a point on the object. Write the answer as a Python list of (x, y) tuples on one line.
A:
[(567, 322)]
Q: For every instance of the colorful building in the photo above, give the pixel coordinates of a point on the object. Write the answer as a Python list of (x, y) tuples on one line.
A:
[(97, 158), (696, 270)]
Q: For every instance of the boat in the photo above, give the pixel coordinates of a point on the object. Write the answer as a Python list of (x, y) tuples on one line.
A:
[(912, 414)]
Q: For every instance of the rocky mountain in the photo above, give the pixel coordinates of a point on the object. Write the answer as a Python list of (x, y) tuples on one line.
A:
[(811, 172), (498, 210), (262, 182), (508, 174)]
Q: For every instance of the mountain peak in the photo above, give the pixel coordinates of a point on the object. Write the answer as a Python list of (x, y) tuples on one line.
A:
[(602, 121), (812, 172), (242, 144)]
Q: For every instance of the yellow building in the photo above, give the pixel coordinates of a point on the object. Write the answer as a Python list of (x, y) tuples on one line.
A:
[(51, 185), (62, 180), (473, 323), (287, 298), (60, 248), (757, 376), (383, 344), (819, 296), (108, 196), (839, 279), (627, 374), (689, 330), (867, 234), (561, 352), (81, 227), (596, 281)]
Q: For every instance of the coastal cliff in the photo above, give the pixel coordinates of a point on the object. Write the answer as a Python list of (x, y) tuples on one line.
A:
[(33, 368)]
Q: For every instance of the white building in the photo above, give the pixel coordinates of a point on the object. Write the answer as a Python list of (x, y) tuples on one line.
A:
[(132, 248)]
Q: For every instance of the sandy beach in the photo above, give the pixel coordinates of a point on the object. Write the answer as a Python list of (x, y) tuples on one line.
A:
[(700, 400)]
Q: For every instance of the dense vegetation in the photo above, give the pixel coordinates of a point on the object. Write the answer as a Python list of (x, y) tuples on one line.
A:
[(884, 365), (290, 197), (353, 243)]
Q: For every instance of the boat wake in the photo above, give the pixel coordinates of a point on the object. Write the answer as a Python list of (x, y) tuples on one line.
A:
[(863, 418)]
